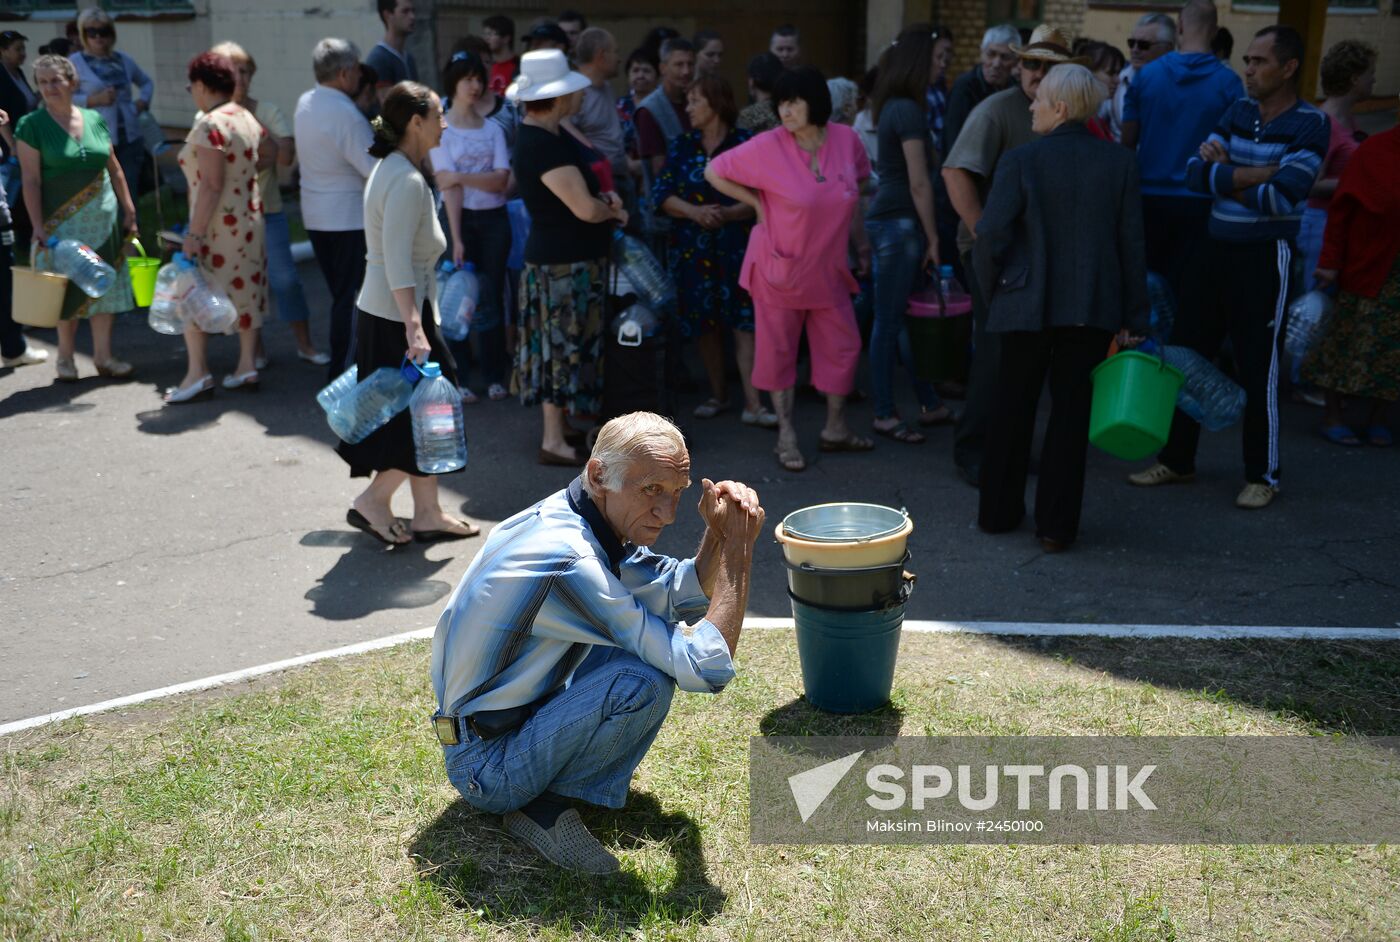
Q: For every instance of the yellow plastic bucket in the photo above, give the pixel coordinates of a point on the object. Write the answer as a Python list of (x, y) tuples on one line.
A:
[(143, 271), (37, 297)]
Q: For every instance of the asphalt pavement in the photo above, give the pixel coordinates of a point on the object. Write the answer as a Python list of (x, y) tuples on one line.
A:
[(144, 546)]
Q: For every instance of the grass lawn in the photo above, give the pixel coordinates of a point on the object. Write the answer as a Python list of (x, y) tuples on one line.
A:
[(314, 806)]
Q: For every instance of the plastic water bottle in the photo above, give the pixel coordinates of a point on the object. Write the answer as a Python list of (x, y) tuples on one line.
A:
[(81, 265), (439, 437), (458, 294), (1208, 395), (1306, 317), (1159, 293), (635, 324), (173, 282), (643, 272), (338, 387), (207, 307), (372, 402), (956, 300)]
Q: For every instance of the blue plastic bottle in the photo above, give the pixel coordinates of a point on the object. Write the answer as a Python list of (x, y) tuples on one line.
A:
[(1208, 395), (643, 272), (373, 402), (635, 324), (338, 387), (439, 436), (81, 265), (458, 294)]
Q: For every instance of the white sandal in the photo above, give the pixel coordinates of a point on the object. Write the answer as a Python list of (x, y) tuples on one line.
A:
[(175, 396)]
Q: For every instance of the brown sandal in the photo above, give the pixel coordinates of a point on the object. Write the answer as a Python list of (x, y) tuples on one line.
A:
[(790, 459)]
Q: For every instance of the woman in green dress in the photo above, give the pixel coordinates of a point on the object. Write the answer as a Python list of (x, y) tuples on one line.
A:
[(73, 186)]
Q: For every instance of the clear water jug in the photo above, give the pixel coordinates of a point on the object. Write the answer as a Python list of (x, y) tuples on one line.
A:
[(337, 388), (1159, 294), (373, 402), (458, 294), (635, 324), (1208, 395), (1306, 318), (439, 436), (174, 280), (643, 272), (207, 307), (81, 265)]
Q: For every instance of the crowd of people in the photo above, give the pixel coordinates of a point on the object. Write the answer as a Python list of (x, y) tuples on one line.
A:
[(797, 221)]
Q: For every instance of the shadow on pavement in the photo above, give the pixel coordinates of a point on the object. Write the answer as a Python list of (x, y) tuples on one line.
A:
[(55, 398), (1350, 687), (372, 577), (466, 855)]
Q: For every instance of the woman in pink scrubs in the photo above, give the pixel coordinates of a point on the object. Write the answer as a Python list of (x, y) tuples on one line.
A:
[(803, 180)]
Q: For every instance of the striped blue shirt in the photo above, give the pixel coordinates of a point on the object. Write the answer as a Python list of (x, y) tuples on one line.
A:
[(1295, 141), (551, 582)]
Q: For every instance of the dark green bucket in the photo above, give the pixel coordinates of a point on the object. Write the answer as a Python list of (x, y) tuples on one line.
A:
[(939, 346), (847, 657)]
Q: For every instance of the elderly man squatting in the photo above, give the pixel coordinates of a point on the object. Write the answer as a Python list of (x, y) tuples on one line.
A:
[(556, 658)]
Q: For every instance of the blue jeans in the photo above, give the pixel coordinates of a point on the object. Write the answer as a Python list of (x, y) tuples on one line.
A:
[(282, 275), (584, 743), (898, 247)]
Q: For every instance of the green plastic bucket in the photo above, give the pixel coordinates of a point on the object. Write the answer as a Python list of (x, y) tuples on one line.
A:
[(143, 270), (847, 657), (1134, 398)]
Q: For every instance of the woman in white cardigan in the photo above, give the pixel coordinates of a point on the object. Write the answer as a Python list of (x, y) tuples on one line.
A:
[(397, 314)]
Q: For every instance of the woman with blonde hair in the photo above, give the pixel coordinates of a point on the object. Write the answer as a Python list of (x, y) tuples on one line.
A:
[(105, 78), (74, 188), (1061, 241), (278, 154)]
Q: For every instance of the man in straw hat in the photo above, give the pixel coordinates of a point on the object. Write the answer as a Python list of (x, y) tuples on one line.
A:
[(556, 659), (998, 124)]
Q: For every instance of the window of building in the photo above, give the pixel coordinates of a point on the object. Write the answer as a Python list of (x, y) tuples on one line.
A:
[(1021, 13)]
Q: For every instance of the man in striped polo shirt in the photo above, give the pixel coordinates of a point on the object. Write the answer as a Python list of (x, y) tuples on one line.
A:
[(1259, 164)]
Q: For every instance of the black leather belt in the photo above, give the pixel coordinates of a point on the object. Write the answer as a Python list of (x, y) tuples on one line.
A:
[(485, 724)]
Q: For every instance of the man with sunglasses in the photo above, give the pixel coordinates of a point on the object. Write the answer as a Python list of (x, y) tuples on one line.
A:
[(999, 124), (1153, 37)]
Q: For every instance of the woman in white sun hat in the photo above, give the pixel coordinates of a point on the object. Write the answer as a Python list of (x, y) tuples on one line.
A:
[(558, 363)]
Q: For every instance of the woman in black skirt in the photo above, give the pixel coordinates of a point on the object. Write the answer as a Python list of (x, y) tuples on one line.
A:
[(396, 315)]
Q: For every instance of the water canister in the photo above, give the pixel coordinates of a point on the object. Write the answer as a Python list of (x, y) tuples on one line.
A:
[(439, 436), (643, 272), (81, 265), (373, 402)]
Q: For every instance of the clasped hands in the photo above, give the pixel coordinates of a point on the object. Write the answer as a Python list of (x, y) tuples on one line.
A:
[(731, 512)]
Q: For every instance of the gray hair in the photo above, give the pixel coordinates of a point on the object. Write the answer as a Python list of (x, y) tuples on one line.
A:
[(624, 439), (843, 99), (60, 64), (333, 56), (1003, 35), (590, 43), (1166, 26), (1076, 87)]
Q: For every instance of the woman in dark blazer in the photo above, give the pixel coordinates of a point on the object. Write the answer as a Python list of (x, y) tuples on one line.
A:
[(1061, 245)]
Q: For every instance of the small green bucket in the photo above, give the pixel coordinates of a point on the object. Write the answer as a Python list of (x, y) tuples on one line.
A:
[(1134, 398), (143, 270)]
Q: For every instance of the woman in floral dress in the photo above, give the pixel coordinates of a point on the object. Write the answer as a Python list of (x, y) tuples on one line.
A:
[(225, 233)]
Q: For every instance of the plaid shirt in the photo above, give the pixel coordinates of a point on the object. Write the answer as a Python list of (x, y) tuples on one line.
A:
[(1295, 141), (551, 582)]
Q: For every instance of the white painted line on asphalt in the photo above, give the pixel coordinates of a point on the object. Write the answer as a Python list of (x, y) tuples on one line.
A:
[(1024, 629), (218, 680)]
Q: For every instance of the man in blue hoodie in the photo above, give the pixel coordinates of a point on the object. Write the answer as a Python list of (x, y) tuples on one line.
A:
[(1171, 107)]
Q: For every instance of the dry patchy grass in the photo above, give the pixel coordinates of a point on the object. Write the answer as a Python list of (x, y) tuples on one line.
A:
[(315, 807)]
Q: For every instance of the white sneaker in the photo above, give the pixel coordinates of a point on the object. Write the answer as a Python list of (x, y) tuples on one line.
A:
[(29, 357), (1256, 496)]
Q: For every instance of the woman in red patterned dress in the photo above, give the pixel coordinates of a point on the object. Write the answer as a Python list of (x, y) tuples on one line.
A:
[(225, 233)]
